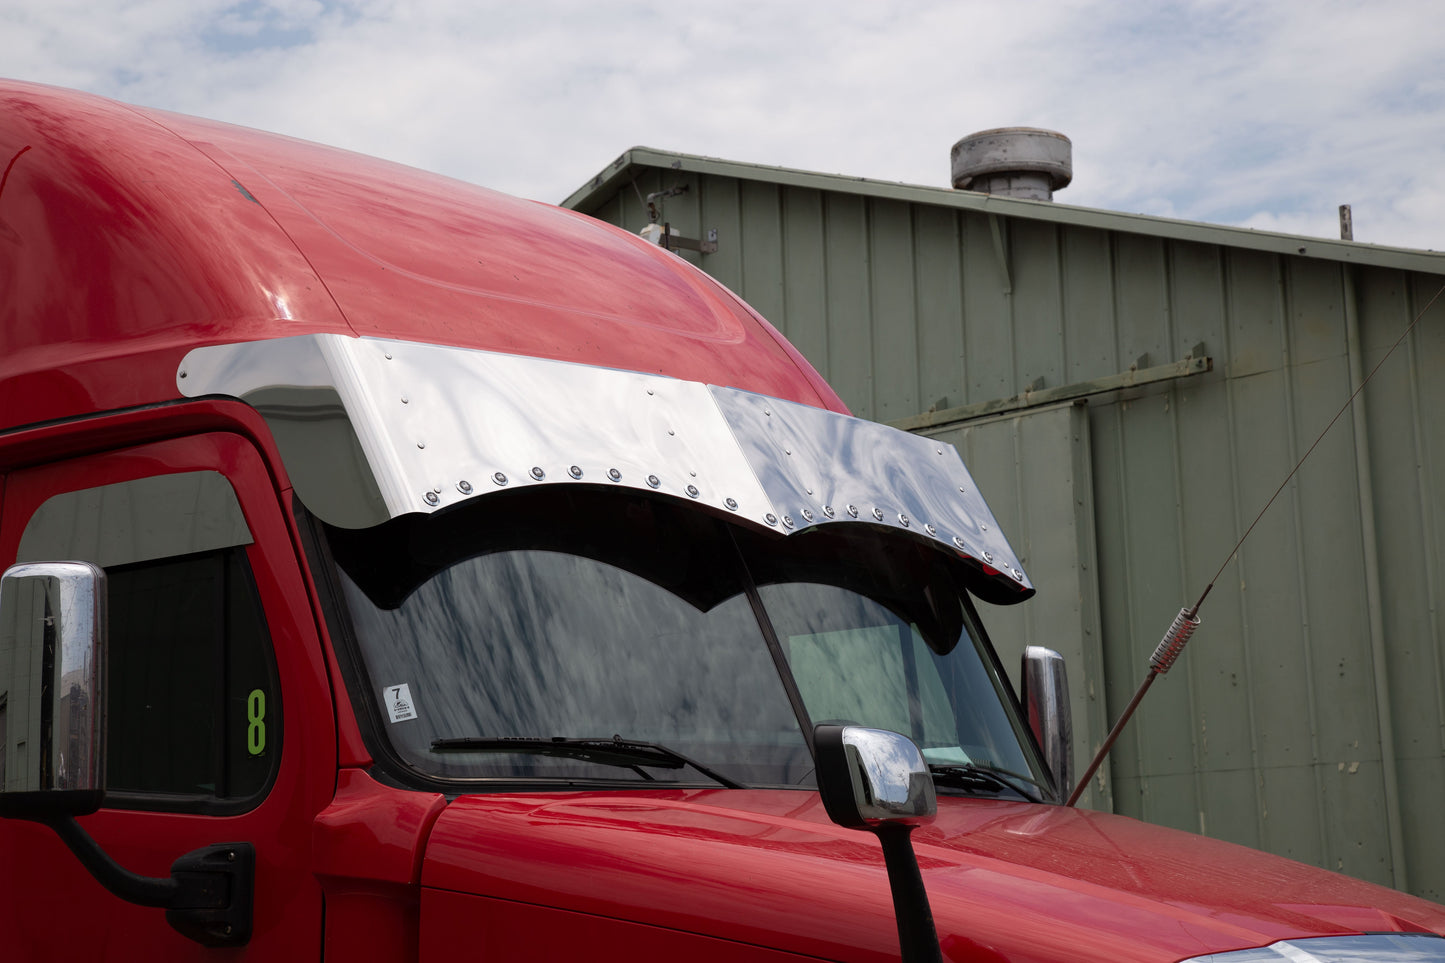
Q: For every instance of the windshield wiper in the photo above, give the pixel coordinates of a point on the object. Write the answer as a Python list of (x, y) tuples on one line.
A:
[(976, 776), (617, 751)]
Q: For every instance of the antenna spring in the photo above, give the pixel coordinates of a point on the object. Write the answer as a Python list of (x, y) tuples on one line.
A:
[(1174, 641)]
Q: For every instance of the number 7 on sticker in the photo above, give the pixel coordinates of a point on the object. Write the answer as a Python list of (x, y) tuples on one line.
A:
[(399, 706)]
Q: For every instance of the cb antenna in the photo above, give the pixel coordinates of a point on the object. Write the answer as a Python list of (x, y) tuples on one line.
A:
[(1187, 620)]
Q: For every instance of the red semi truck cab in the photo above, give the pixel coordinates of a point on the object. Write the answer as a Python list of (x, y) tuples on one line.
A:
[(458, 577)]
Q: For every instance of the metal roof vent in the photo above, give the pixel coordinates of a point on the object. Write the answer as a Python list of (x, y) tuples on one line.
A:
[(1015, 162)]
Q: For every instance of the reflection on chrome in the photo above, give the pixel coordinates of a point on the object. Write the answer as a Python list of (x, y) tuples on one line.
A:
[(372, 430), (52, 618), (892, 773), (1364, 948)]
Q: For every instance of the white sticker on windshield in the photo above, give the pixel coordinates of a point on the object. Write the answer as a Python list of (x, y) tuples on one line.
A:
[(398, 703)]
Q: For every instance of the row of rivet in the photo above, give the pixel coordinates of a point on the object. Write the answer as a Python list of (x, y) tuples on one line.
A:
[(538, 474), (903, 519), (433, 498)]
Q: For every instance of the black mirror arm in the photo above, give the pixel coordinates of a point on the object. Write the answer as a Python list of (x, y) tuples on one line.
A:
[(917, 937), (131, 887), (207, 897)]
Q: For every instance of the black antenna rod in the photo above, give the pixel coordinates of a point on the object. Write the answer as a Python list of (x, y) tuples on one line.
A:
[(1187, 620)]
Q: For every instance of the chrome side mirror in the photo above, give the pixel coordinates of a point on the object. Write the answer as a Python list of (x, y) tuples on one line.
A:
[(871, 776), (52, 689), (52, 749), (1045, 699), (878, 781)]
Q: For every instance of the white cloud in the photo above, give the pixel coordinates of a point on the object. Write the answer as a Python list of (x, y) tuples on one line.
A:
[(1245, 113)]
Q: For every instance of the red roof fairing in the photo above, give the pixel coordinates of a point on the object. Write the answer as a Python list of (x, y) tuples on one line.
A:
[(130, 236)]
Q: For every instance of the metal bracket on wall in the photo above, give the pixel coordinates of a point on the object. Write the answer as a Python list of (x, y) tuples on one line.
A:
[(1035, 395), (665, 238)]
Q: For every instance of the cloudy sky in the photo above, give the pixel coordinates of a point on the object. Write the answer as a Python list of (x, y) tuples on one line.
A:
[(1261, 114)]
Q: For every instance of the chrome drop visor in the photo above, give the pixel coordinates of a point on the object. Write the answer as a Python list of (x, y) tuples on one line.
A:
[(371, 429)]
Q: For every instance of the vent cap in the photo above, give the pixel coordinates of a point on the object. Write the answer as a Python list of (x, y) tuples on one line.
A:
[(1025, 162)]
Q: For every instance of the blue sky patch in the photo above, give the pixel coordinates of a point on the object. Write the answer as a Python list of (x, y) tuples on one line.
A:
[(253, 25)]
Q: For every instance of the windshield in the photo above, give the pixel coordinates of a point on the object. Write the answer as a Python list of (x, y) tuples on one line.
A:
[(574, 619)]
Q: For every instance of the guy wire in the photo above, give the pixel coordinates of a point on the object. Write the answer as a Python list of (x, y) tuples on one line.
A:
[(1193, 613)]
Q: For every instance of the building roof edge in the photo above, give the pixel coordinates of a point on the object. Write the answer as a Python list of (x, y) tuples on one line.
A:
[(588, 197)]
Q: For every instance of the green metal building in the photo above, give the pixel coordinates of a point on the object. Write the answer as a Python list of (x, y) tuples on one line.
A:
[(1129, 392)]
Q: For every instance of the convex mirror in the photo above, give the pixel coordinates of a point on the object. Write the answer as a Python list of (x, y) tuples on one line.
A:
[(1045, 699), (872, 776), (52, 681)]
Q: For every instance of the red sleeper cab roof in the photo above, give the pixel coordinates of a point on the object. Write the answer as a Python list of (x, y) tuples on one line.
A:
[(130, 236)]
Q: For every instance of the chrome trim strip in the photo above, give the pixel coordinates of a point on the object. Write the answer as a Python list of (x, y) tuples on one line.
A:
[(1361, 948)]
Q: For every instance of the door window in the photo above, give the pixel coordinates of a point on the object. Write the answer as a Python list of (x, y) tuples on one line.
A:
[(193, 709)]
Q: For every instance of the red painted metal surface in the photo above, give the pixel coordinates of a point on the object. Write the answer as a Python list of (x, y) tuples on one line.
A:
[(45, 894), (459, 926), (1007, 880), (367, 853), (373, 832), (130, 236)]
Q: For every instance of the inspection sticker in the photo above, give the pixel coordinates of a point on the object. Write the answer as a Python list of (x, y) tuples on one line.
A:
[(398, 703)]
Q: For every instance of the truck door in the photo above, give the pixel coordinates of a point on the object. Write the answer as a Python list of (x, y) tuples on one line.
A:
[(220, 726)]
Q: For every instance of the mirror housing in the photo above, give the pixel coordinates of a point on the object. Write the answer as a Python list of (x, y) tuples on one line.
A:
[(52, 689), (1045, 698), (872, 776), (878, 781)]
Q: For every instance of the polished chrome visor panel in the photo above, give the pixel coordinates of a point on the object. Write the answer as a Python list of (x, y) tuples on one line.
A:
[(1364, 948), (372, 429)]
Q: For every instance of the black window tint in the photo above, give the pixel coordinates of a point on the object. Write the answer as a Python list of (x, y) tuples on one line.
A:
[(193, 707)]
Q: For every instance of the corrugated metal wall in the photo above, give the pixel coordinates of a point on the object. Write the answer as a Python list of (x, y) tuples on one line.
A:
[(1308, 715)]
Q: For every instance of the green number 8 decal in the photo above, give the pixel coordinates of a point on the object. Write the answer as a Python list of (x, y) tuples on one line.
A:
[(256, 716)]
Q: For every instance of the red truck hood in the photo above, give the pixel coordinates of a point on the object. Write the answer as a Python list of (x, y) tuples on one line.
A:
[(1007, 881)]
